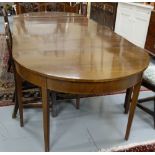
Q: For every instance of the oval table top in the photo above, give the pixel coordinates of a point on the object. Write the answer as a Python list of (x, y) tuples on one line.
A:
[(73, 48)]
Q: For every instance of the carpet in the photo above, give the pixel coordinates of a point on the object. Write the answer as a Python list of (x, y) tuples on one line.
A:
[(6, 78), (7, 85), (148, 146), (6, 95)]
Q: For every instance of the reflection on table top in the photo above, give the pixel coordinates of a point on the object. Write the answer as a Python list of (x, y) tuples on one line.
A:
[(74, 48)]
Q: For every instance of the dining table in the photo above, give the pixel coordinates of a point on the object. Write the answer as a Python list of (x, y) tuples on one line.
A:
[(70, 53)]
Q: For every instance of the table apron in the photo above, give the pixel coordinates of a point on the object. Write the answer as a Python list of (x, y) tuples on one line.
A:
[(30, 76), (93, 87), (76, 87)]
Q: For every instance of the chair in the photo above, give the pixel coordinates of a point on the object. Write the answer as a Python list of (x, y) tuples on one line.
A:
[(25, 7), (11, 68), (5, 15), (39, 6), (84, 8), (9, 35), (72, 9), (26, 85), (148, 81)]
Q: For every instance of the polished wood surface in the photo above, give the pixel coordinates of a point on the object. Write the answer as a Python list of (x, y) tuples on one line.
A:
[(47, 6), (128, 99), (47, 15), (72, 48), (72, 54)]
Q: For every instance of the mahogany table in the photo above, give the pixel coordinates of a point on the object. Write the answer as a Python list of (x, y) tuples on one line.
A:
[(72, 54)]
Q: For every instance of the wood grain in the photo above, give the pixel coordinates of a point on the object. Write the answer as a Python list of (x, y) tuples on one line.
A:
[(74, 49), (72, 54)]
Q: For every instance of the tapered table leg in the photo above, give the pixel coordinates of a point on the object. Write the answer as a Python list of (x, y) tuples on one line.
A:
[(132, 108), (19, 97), (16, 107), (15, 110), (78, 102), (15, 99), (54, 104), (128, 99), (46, 120)]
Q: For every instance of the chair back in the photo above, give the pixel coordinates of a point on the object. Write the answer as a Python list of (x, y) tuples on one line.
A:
[(8, 36), (6, 22), (5, 15), (72, 9)]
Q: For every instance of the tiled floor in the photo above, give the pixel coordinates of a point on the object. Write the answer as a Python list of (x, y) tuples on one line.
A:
[(100, 123)]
